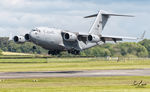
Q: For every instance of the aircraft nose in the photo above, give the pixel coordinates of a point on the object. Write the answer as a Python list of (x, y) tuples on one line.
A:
[(32, 35)]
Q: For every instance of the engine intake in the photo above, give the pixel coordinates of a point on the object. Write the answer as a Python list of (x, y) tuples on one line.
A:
[(19, 39), (70, 36), (93, 38), (27, 37)]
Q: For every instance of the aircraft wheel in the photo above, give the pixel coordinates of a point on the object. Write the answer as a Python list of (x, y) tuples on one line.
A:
[(75, 52), (49, 52), (55, 52), (34, 47), (69, 51)]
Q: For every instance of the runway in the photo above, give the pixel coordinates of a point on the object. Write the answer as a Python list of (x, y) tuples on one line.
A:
[(85, 73)]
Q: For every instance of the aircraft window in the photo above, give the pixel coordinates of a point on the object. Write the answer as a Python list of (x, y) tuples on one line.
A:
[(34, 30)]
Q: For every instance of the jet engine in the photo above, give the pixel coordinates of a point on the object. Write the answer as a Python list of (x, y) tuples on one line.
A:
[(70, 36), (27, 37), (19, 39), (93, 38)]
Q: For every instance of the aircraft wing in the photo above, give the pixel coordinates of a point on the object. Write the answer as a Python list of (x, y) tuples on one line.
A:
[(120, 38), (116, 38), (105, 38)]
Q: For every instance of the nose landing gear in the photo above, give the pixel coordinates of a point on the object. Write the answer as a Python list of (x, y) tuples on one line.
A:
[(33, 49)]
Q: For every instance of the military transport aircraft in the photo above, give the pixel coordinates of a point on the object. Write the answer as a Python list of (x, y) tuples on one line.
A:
[(57, 40)]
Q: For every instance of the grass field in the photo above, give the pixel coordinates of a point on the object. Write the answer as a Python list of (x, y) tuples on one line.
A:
[(14, 53), (60, 64), (75, 84)]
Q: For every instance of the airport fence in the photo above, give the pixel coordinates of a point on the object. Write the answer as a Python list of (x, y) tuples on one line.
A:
[(122, 59), (48, 59)]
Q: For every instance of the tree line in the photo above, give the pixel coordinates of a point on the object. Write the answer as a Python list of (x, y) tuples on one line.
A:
[(126, 49)]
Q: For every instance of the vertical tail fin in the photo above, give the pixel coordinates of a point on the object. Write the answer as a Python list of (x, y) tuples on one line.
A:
[(100, 21)]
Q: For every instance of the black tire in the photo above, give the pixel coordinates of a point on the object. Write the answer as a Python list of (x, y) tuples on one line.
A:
[(34, 47), (55, 52), (75, 52)]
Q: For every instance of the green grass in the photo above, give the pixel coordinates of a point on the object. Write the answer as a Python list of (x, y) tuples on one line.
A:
[(72, 84), (75, 84), (68, 64), (31, 60)]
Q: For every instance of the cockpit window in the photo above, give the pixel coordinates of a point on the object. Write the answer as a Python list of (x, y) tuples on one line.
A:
[(37, 30), (34, 30)]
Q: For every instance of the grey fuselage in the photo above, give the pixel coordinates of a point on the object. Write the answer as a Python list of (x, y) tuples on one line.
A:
[(53, 39)]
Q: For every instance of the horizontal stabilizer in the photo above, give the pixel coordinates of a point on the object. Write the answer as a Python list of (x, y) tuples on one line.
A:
[(106, 14), (94, 15), (118, 15)]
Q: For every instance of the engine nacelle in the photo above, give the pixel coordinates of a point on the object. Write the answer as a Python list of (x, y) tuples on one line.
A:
[(27, 37), (70, 36), (19, 39), (93, 38)]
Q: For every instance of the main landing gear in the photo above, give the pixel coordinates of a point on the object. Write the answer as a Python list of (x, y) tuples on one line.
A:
[(54, 52), (75, 52)]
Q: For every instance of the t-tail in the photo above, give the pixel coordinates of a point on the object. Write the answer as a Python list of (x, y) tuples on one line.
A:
[(101, 20)]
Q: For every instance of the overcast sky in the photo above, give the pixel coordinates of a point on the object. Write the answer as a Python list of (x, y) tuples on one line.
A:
[(20, 16)]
